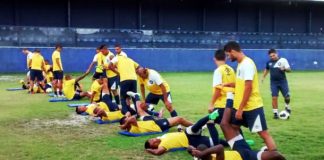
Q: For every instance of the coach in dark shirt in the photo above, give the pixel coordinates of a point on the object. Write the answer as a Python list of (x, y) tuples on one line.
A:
[(278, 67)]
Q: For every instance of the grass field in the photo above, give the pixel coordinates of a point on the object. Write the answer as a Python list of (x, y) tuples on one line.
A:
[(33, 128)]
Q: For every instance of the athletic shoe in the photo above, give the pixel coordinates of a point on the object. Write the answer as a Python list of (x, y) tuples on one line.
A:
[(275, 116), (179, 128), (132, 94), (288, 110), (213, 115)]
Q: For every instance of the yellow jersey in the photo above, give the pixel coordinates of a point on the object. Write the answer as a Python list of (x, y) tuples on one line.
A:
[(68, 88), (101, 61), (49, 74), (103, 105), (96, 87), (246, 70), (56, 55), (144, 127), (174, 140), (229, 155), (90, 109), (37, 61), (223, 74), (126, 68), (109, 72), (111, 116), (153, 82)]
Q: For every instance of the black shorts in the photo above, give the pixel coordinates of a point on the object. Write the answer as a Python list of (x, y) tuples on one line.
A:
[(127, 85), (244, 150), (77, 96), (97, 75), (218, 120), (148, 118), (111, 106), (58, 75), (254, 120), (154, 98), (196, 140), (163, 124), (113, 83), (36, 74)]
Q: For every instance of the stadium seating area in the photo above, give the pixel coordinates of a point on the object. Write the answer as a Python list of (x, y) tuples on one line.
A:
[(82, 37)]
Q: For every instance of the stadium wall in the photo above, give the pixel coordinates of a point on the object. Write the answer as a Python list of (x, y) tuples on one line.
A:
[(170, 60)]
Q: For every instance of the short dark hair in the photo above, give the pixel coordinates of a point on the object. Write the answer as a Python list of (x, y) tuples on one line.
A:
[(46, 60), (232, 45), (77, 110), (118, 45), (37, 50), (103, 46), (122, 120), (58, 46), (272, 51), (147, 144), (220, 55)]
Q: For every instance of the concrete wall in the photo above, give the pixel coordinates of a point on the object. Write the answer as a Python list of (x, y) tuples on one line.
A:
[(172, 60)]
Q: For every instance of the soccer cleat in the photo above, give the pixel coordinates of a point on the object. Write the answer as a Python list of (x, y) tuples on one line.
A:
[(275, 116), (213, 115), (250, 142), (288, 110), (132, 94)]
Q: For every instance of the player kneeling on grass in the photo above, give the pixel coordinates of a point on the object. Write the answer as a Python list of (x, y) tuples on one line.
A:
[(192, 136), (106, 105), (149, 123), (69, 88), (36, 72)]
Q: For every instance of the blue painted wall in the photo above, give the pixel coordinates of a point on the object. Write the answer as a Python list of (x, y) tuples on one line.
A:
[(78, 59)]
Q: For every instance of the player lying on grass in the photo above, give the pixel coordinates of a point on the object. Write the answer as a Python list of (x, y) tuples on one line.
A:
[(191, 136), (70, 86), (241, 151), (106, 105), (148, 123)]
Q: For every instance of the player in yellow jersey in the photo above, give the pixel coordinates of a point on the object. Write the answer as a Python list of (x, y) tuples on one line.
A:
[(191, 136), (126, 69), (57, 71), (224, 74), (148, 123), (48, 74), (69, 87), (96, 88), (37, 66), (113, 78), (248, 105)]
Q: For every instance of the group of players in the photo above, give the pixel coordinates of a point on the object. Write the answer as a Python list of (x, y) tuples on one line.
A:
[(236, 101)]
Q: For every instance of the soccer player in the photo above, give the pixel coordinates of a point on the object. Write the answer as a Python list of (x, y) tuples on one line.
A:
[(101, 62), (57, 71), (119, 51), (37, 66), (248, 104), (96, 88), (94, 61), (223, 75), (158, 88), (29, 55), (113, 78), (149, 123), (192, 136), (126, 69), (277, 67), (69, 88)]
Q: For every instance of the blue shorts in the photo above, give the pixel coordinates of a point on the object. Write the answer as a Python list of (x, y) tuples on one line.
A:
[(254, 120), (163, 124), (281, 86), (113, 83), (58, 75), (244, 150), (97, 75), (196, 140), (77, 96), (36, 74), (127, 85), (111, 106), (154, 98)]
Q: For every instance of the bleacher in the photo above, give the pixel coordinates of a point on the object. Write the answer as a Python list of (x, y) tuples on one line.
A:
[(83, 37)]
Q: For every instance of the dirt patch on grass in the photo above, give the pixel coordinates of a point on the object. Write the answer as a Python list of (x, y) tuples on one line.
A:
[(10, 78)]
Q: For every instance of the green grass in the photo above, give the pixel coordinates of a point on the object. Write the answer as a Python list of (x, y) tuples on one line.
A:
[(26, 134)]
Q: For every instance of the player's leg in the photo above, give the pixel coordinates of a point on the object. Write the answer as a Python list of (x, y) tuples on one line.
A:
[(285, 93), (40, 79), (274, 94), (173, 121), (172, 111), (154, 100), (60, 83), (257, 124), (197, 127), (143, 105), (113, 87), (31, 82)]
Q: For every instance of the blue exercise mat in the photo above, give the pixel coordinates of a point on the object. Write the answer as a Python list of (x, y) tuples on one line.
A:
[(51, 94), (129, 134), (177, 149), (15, 89), (100, 121), (59, 100), (77, 104)]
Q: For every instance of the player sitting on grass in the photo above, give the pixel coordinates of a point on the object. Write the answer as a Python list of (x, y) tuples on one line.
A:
[(69, 88), (96, 109), (149, 123), (96, 88), (192, 136)]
